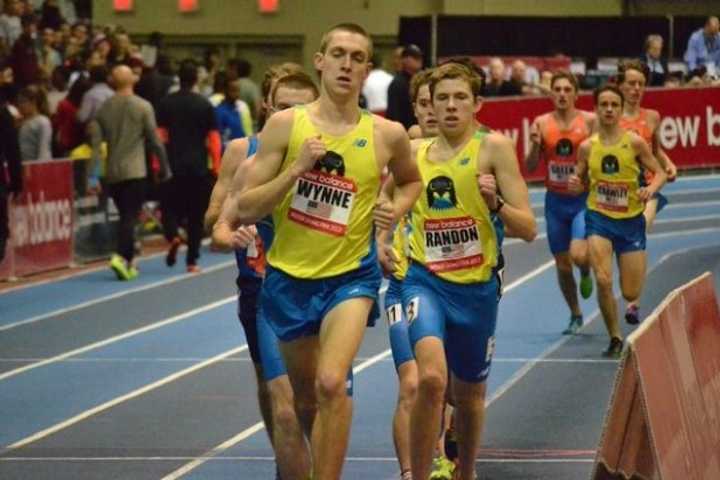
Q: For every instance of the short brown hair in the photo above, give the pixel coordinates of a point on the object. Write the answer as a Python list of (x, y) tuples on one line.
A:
[(608, 87), (276, 71), (347, 27), (455, 71), (466, 61), (297, 81), (636, 65), (418, 80), (562, 74)]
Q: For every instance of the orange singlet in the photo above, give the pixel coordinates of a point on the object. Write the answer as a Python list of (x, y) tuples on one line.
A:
[(639, 125), (560, 151)]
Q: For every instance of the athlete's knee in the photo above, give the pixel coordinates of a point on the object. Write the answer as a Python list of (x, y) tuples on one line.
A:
[(579, 255), (630, 292), (408, 389), (563, 263), (603, 279), (330, 384), (432, 384)]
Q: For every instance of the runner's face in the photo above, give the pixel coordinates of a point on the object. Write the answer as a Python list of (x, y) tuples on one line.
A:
[(563, 94), (288, 97), (609, 108), (454, 105), (633, 87), (345, 63), (424, 112)]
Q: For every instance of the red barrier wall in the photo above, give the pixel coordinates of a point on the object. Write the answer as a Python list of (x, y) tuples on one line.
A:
[(41, 220), (690, 125)]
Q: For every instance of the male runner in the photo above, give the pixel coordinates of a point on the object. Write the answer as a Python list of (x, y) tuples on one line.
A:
[(281, 90), (397, 266), (611, 159), (318, 170), (632, 78), (555, 137), (450, 291)]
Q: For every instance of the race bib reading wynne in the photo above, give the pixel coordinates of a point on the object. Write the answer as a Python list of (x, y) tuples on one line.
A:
[(613, 197), (559, 173), (323, 202), (452, 244)]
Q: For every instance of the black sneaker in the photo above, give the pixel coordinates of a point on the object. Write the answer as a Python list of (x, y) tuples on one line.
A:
[(632, 315), (615, 348), (451, 448), (171, 256)]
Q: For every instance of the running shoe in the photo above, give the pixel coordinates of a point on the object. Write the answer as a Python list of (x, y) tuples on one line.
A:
[(120, 267), (576, 322), (586, 285), (192, 268), (450, 447), (632, 315), (406, 475), (442, 469), (615, 348), (171, 256)]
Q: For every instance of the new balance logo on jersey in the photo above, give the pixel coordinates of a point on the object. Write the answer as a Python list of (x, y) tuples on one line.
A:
[(360, 142), (465, 161)]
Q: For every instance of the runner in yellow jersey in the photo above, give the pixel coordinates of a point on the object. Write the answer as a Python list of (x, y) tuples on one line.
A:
[(397, 323), (611, 159), (450, 291), (318, 171)]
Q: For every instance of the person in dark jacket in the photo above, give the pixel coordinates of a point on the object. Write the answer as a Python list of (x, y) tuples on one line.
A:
[(653, 58), (10, 156), (187, 123), (399, 105)]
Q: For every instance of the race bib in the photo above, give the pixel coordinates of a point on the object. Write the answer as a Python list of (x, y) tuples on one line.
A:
[(452, 244), (323, 202), (613, 197), (394, 314), (559, 174)]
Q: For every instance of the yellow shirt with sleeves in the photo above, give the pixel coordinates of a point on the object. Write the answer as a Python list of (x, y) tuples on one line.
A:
[(614, 178), (324, 226), (452, 234), (401, 248)]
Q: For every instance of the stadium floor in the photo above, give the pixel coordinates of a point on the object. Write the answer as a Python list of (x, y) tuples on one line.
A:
[(152, 379)]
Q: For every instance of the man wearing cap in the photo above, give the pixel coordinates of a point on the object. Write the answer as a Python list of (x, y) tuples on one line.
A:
[(399, 105)]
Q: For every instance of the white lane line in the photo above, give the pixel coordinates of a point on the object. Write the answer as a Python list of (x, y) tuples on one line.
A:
[(229, 443), (372, 360), (117, 338), (118, 400), (592, 317), (236, 458), (683, 205), (113, 296)]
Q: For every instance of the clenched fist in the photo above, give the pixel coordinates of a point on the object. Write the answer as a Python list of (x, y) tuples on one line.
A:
[(313, 149)]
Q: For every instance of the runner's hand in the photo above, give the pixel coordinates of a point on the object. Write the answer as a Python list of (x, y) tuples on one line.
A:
[(243, 236), (671, 171), (645, 194), (222, 237), (535, 135), (383, 214), (312, 150), (388, 260), (575, 185), (488, 189)]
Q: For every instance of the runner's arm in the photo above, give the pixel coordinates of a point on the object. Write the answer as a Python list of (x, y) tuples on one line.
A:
[(516, 213), (576, 183), (264, 186), (227, 231), (533, 157), (403, 168), (660, 154), (648, 161), (233, 156)]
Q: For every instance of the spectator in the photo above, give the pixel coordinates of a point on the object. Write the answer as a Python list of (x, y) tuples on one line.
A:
[(519, 79), (10, 156), (126, 122), (219, 83), (656, 63), (399, 106), (397, 64), (497, 86), (121, 49), (10, 25), (249, 90), (376, 87), (50, 15), (187, 120), (207, 72), (23, 57), (48, 56), (233, 115), (68, 131), (96, 95), (703, 48), (35, 134), (58, 88)]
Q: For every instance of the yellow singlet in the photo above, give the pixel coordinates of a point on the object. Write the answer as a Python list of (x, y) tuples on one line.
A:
[(401, 249), (452, 234), (614, 174), (323, 226)]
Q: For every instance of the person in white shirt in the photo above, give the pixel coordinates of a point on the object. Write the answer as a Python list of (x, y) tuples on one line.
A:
[(376, 86)]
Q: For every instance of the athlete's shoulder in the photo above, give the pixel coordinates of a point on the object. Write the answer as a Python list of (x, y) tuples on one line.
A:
[(586, 144), (495, 139), (238, 147), (652, 115), (635, 140), (390, 131), (543, 118)]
